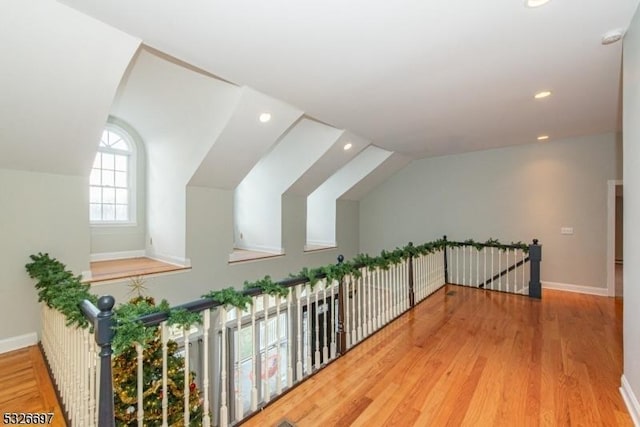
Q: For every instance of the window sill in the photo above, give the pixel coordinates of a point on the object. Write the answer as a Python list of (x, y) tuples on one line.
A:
[(121, 269)]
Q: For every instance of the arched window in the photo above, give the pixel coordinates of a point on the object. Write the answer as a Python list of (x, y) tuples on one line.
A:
[(112, 180)]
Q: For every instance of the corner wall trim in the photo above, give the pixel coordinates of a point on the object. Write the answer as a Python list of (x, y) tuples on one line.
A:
[(568, 287), (630, 400), (18, 342)]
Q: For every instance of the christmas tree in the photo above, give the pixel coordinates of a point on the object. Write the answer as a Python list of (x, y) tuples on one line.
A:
[(125, 381)]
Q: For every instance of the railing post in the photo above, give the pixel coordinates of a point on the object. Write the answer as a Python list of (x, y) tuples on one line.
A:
[(342, 336), (446, 265), (104, 337), (535, 256), (412, 296)]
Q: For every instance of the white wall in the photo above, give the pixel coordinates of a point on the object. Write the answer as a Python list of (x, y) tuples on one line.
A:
[(516, 193), (321, 204), (258, 198), (40, 213), (178, 122), (631, 190), (210, 240)]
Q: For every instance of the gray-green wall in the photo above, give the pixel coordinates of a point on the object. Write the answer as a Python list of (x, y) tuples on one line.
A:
[(515, 193), (39, 212)]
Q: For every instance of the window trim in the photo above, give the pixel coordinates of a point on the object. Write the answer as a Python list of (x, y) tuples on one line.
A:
[(132, 171)]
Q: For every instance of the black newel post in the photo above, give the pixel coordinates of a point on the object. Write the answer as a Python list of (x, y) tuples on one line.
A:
[(446, 265), (342, 336), (104, 337), (535, 256), (412, 296)]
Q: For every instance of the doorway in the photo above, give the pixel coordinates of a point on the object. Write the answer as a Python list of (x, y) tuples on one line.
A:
[(615, 255)]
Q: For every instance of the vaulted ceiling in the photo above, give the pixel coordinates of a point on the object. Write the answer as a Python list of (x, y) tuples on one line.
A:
[(420, 77)]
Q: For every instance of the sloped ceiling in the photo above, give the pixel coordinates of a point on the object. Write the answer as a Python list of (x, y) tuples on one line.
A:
[(59, 75), (422, 77), (244, 140)]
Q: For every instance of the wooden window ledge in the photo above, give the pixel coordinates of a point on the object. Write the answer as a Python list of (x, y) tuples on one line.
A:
[(118, 269)]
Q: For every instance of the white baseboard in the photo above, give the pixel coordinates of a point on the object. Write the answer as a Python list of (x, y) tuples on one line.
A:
[(261, 248), (170, 259), (15, 343), (106, 256), (630, 400), (568, 287)]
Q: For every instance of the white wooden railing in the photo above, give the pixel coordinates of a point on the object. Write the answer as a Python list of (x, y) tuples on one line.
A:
[(500, 269), (72, 356), (242, 359)]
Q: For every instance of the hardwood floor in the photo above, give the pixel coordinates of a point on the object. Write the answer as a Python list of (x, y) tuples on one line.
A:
[(25, 385), (474, 358), (463, 357)]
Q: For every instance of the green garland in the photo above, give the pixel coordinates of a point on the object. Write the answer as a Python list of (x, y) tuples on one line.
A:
[(229, 297), (61, 290), (268, 286), (492, 243)]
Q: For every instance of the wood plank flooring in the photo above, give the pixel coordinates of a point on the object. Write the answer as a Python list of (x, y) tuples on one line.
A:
[(25, 385), (463, 357), (474, 358)]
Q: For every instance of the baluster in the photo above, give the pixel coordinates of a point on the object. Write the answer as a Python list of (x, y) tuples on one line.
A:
[(206, 325), (426, 272), (98, 363), (74, 372), (266, 387), (333, 349), (254, 366), (507, 267), (92, 383), (224, 410), (289, 341), (458, 265), (187, 376), (84, 369), (317, 322), (369, 308), (309, 335), (278, 348), (164, 336), (464, 265), (325, 348), (360, 290), (394, 293), (348, 302), (500, 269), (140, 384), (298, 291), (484, 275), (524, 284), (355, 293), (237, 375), (477, 267), (375, 286)]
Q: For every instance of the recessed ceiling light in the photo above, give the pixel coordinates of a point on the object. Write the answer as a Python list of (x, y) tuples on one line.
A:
[(542, 94), (348, 146), (543, 137), (265, 117), (536, 3)]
